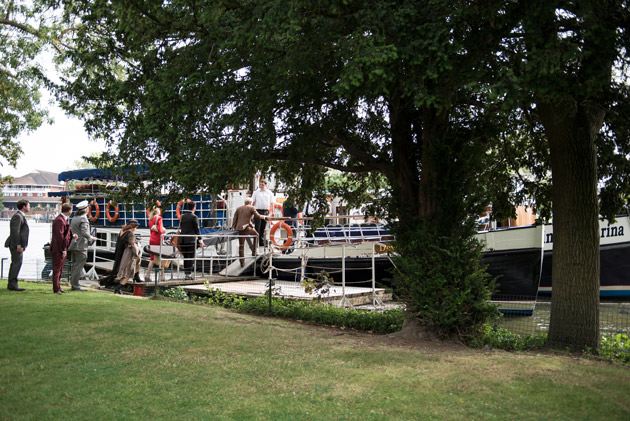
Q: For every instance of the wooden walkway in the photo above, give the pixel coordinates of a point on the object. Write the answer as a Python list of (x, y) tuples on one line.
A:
[(258, 287), (254, 286)]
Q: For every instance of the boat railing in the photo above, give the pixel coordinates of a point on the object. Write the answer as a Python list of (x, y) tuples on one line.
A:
[(302, 235)]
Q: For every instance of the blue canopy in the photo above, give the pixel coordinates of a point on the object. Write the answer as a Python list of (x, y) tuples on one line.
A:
[(95, 174)]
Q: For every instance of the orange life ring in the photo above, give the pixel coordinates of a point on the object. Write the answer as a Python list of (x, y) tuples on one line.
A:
[(111, 218), (96, 213), (178, 209), (289, 239)]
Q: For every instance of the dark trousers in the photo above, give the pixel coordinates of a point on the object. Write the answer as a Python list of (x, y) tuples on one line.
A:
[(16, 265), (188, 251), (260, 225), (58, 259), (251, 241)]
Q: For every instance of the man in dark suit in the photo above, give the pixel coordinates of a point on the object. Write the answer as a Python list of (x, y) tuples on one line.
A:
[(189, 227), (17, 243), (61, 237)]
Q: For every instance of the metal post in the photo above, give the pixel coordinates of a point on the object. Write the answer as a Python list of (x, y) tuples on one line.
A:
[(92, 272), (344, 300), (303, 266), (255, 240), (373, 276), (270, 266), (343, 271)]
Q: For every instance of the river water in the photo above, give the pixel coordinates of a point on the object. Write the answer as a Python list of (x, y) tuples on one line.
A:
[(34, 262)]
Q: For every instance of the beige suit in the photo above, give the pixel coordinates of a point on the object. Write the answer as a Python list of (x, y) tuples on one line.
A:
[(242, 222)]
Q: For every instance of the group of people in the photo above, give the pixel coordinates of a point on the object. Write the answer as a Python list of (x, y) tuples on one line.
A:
[(74, 237), (67, 237), (250, 220)]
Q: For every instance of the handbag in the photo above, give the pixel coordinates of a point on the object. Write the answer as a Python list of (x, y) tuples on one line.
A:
[(175, 242), (155, 224)]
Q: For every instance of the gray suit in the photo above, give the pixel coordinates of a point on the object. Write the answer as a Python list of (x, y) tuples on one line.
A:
[(79, 246), (18, 237)]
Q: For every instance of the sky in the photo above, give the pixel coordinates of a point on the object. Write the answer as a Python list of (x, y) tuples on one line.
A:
[(55, 147)]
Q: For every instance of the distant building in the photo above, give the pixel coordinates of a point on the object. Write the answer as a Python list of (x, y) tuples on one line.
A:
[(33, 187)]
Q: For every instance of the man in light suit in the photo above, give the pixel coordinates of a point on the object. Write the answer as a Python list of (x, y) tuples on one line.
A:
[(61, 238), (17, 242), (242, 222), (79, 246)]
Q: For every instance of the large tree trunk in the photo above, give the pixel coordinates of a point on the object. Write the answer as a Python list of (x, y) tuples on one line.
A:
[(575, 300), (405, 173)]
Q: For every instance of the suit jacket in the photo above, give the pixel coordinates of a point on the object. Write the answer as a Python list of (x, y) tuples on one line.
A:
[(19, 230), (80, 226), (243, 217), (189, 224), (61, 235)]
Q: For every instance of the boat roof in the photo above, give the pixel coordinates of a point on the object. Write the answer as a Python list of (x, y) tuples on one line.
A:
[(97, 174)]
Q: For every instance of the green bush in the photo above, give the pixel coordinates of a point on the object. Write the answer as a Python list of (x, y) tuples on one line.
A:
[(176, 293), (442, 279), (500, 338), (370, 321), (616, 347)]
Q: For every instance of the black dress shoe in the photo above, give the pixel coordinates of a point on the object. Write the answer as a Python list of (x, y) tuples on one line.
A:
[(78, 289), (59, 293), (15, 289), (62, 291)]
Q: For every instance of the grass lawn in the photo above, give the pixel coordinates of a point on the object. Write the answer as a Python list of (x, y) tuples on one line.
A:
[(92, 355)]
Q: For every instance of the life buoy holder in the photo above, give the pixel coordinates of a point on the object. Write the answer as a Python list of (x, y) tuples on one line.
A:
[(287, 243), (158, 204), (178, 209), (97, 212), (109, 216)]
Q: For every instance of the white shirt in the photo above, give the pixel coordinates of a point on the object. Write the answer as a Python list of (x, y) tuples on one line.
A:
[(261, 199)]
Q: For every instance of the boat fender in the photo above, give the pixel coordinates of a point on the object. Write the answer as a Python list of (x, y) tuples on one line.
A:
[(97, 211), (287, 243), (109, 216)]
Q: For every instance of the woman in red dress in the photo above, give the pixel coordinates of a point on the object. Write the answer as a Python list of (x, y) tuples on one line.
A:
[(156, 228)]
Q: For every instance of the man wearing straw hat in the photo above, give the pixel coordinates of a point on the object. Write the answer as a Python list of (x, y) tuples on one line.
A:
[(79, 246)]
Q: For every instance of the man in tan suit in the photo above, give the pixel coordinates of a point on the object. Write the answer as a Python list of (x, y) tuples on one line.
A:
[(242, 222)]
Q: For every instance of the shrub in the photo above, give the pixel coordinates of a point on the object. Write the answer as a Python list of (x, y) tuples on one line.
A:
[(387, 321), (442, 279), (616, 347), (500, 338), (176, 293)]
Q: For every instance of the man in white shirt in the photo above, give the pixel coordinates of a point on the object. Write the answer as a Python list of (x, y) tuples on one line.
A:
[(261, 199)]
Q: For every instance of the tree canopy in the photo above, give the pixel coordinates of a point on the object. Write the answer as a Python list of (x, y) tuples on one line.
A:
[(26, 27), (446, 100), (207, 93)]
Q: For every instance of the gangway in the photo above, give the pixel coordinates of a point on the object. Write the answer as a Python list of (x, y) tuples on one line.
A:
[(235, 268)]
